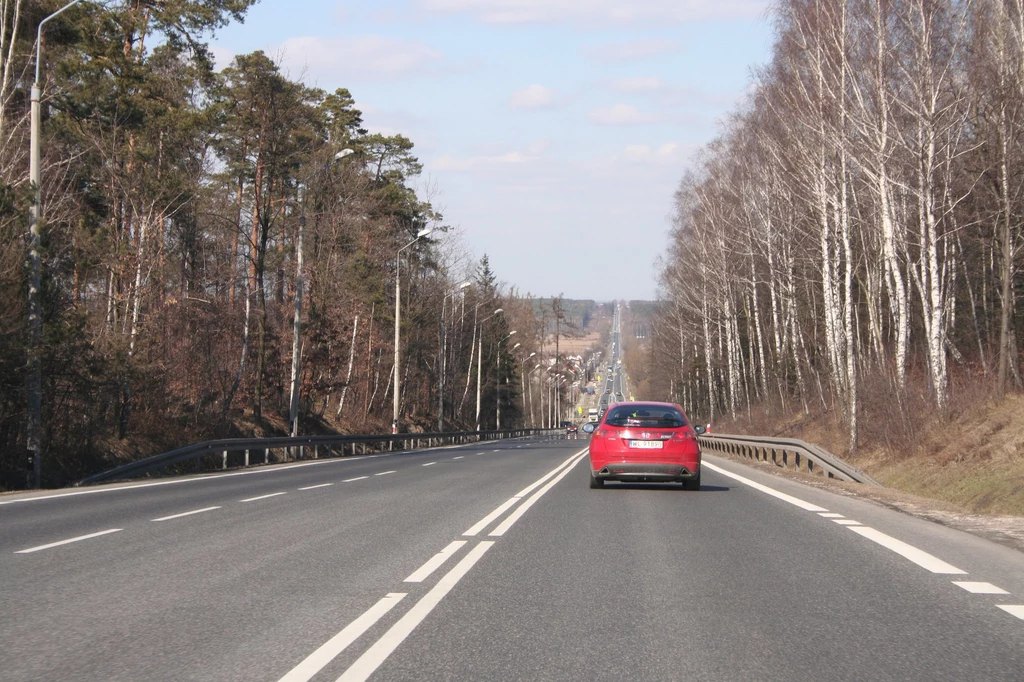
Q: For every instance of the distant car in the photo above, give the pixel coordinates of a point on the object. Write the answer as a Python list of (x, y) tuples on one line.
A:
[(571, 430), (644, 442)]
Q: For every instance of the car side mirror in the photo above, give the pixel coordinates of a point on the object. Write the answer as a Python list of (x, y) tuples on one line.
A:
[(589, 427), (700, 429)]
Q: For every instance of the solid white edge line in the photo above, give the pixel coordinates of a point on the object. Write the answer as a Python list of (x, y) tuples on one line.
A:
[(1013, 609), (522, 509), (486, 521), (919, 557), (188, 513), (373, 657), (765, 489), (68, 541), (979, 588), (261, 497), (313, 487), (385, 473), (357, 478), (316, 661), (434, 562)]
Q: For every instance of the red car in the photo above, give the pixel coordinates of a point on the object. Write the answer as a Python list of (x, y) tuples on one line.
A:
[(644, 442)]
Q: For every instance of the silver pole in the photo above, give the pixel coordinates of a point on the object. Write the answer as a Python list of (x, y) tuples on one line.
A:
[(34, 428)]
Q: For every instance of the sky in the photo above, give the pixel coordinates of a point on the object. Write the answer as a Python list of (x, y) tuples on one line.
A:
[(553, 133)]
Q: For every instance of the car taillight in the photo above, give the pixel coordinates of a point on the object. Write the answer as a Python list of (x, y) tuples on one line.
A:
[(685, 434)]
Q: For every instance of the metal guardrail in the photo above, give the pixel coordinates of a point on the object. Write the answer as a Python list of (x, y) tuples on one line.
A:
[(243, 452), (786, 452)]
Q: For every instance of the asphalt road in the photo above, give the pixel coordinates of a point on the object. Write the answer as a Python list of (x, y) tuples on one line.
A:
[(302, 572)]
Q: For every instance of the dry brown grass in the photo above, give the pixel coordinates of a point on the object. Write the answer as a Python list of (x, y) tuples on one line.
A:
[(971, 456)]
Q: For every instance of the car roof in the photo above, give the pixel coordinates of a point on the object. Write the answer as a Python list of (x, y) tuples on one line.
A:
[(650, 403)]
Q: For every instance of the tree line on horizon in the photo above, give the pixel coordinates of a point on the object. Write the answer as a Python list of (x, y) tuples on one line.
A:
[(850, 241), (171, 196)]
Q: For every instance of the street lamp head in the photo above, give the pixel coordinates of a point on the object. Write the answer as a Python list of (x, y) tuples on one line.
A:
[(513, 332), (516, 346), (424, 232), (499, 310), (530, 356), (465, 284)]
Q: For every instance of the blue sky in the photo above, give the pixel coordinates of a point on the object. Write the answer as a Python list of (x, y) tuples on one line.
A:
[(553, 133)]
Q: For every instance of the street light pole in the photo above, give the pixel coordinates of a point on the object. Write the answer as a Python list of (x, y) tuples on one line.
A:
[(34, 428), (398, 313), (522, 382), (444, 357), (480, 362), (497, 381), (293, 402), (533, 420)]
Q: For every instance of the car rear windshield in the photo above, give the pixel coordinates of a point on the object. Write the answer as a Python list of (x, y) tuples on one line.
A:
[(645, 415)]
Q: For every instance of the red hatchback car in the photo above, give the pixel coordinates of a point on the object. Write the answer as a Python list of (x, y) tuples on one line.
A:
[(644, 442)]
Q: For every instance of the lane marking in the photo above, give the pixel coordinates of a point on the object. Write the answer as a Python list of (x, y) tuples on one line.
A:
[(312, 487), (435, 562), (188, 513), (385, 473), (316, 661), (1013, 609), (429, 464), (459, 457), (830, 515), (847, 522), (261, 497), (765, 489), (486, 521), (357, 478), (526, 491), (366, 664), (979, 588), (919, 557), (68, 541), (522, 509), (495, 450)]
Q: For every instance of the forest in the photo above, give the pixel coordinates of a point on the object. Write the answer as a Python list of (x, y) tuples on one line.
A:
[(849, 244), (218, 252)]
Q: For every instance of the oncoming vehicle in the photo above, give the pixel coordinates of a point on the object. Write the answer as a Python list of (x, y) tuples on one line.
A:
[(644, 442), (571, 430), (593, 415)]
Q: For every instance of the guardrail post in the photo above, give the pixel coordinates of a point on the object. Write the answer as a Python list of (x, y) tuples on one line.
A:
[(247, 457), (224, 460)]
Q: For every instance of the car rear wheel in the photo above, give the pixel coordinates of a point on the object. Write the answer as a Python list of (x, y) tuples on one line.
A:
[(692, 483), (596, 482)]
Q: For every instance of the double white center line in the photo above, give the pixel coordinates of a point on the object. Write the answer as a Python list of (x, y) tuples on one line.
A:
[(379, 651)]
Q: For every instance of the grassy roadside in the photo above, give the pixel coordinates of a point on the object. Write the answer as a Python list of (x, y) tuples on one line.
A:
[(972, 458)]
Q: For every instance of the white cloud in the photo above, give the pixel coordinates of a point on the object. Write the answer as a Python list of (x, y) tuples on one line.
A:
[(632, 50), (670, 153), (450, 163), (596, 11), (637, 84), (620, 115), (222, 57), (532, 97), (364, 58)]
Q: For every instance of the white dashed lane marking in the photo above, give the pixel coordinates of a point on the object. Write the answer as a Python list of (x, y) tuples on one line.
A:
[(430, 464), (1013, 609), (188, 513), (261, 497), (311, 487), (385, 473), (979, 588), (68, 541), (357, 478)]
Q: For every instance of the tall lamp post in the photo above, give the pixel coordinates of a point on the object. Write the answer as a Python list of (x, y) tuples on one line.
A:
[(497, 380), (480, 362), (34, 428), (444, 356), (293, 410), (533, 419), (522, 381), (398, 312)]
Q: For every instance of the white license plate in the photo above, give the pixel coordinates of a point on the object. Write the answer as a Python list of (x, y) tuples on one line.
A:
[(647, 444)]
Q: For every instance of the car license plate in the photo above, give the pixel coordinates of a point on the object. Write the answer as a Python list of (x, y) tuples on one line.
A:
[(646, 444)]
